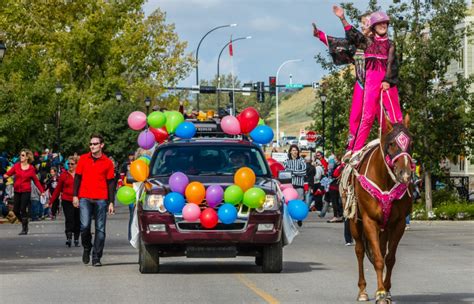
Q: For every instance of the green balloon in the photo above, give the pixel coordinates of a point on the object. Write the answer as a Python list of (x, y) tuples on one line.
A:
[(173, 120), (233, 195), (145, 159), (261, 122), (156, 119), (126, 195), (254, 197)]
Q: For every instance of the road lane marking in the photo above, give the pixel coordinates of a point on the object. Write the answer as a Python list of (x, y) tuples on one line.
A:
[(268, 298)]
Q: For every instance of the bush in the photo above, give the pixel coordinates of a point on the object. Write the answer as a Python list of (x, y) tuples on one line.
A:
[(455, 211), (443, 197)]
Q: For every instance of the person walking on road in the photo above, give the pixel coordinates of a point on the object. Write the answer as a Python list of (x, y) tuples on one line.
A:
[(297, 166), (94, 194), (24, 173), (65, 188)]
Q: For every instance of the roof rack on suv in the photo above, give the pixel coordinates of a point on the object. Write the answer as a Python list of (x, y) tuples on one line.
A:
[(211, 128)]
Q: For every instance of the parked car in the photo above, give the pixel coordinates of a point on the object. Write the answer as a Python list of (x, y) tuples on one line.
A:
[(256, 232), (289, 140), (304, 144)]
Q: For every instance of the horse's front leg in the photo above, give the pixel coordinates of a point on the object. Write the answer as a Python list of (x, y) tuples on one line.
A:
[(371, 231), (394, 239), (356, 231)]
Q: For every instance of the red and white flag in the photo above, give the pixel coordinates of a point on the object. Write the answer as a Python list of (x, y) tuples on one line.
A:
[(231, 50)]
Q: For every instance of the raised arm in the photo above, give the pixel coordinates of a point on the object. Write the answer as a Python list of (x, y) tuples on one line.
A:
[(354, 36), (391, 75)]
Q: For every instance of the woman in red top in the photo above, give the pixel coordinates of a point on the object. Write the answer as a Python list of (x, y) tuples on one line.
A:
[(65, 187), (24, 173)]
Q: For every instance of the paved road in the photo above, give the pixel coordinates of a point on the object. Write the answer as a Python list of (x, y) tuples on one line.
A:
[(435, 263)]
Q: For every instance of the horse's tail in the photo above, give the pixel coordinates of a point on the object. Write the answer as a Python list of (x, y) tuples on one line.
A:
[(368, 249)]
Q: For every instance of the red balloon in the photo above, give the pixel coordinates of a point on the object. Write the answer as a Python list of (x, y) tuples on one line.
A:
[(275, 168), (248, 119), (160, 134), (271, 161), (209, 218)]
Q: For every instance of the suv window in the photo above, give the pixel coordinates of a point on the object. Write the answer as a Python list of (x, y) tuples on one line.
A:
[(207, 160)]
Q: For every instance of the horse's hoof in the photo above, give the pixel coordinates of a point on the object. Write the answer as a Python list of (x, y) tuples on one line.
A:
[(382, 297), (363, 297)]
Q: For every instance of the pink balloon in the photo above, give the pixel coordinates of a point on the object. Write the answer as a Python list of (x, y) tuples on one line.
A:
[(191, 212), (146, 139), (283, 187), (137, 120), (230, 125), (290, 194)]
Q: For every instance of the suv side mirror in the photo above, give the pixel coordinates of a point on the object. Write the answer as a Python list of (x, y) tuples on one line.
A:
[(284, 177)]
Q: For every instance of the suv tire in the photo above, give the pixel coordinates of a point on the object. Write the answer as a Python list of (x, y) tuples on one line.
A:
[(148, 258), (272, 258), (258, 260)]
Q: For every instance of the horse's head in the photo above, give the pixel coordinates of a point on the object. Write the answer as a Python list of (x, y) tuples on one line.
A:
[(397, 144)]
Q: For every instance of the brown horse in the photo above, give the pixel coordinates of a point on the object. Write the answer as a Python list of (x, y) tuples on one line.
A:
[(383, 200)]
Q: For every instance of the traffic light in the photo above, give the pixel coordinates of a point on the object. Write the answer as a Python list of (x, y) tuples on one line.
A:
[(261, 91), (231, 96), (272, 85)]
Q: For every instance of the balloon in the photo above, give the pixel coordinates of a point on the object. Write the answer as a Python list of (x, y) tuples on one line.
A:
[(254, 197), (261, 122), (214, 195), (126, 183), (139, 170), (195, 193), (186, 130), (173, 119), (244, 178), (178, 182), (298, 209), (248, 119), (174, 202), (230, 125), (209, 218), (156, 119), (227, 213), (275, 168), (126, 195), (290, 194), (191, 212), (262, 135), (137, 120), (160, 134), (271, 161), (283, 187), (233, 195), (146, 139), (145, 159)]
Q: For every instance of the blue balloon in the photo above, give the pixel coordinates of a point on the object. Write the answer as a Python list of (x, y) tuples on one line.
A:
[(262, 135), (174, 202), (227, 213), (185, 130), (298, 209)]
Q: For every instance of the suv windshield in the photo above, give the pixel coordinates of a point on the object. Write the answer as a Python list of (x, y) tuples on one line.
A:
[(207, 160)]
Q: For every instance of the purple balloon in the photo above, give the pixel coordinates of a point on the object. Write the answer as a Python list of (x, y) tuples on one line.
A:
[(178, 182), (214, 195), (146, 139)]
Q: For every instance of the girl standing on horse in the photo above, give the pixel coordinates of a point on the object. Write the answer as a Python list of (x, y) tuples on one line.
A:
[(381, 75)]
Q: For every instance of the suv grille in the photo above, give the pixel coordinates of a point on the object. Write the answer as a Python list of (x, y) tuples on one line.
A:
[(186, 226)]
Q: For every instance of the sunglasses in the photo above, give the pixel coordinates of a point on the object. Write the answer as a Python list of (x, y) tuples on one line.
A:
[(71, 164), (94, 144), (23, 155)]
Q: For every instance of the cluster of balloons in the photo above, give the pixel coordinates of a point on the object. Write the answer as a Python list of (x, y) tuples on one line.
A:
[(248, 122), (297, 209), (161, 124), (194, 193), (139, 169)]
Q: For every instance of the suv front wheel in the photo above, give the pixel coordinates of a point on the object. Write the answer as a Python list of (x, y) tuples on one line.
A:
[(148, 258), (272, 258)]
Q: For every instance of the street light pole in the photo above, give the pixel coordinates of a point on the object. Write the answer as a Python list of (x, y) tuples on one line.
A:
[(276, 98), (118, 96), (218, 68), (147, 104), (197, 54), (3, 49), (59, 90), (323, 103)]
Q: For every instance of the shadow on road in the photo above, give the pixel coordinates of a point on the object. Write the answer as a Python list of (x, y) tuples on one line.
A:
[(434, 298)]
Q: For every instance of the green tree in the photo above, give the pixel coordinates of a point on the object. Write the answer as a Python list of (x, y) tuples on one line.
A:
[(93, 48)]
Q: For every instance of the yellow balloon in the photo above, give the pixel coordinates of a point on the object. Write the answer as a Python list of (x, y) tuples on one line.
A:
[(139, 170), (244, 178)]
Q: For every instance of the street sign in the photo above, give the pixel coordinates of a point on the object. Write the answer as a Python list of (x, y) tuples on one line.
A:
[(315, 85), (246, 89), (311, 136), (280, 157), (294, 86)]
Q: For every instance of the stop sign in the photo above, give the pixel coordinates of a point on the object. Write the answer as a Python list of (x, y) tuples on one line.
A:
[(311, 136)]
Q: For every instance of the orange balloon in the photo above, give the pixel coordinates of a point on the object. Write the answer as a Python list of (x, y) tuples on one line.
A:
[(195, 193), (126, 183), (244, 178), (139, 170)]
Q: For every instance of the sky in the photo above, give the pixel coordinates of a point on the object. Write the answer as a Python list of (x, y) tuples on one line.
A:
[(280, 30)]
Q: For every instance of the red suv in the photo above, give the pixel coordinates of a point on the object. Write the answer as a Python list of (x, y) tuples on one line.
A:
[(256, 232)]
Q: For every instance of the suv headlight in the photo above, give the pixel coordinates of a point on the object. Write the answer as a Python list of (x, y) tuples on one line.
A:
[(154, 202), (271, 203)]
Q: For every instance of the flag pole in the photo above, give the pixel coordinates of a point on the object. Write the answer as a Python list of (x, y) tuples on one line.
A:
[(231, 53)]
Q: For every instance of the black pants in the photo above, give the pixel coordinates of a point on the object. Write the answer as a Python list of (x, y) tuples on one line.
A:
[(73, 220), (347, 231), (55, 207), (22, 205), (336, 202)]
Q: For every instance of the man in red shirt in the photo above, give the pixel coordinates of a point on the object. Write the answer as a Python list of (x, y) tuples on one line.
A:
[(94, 194)]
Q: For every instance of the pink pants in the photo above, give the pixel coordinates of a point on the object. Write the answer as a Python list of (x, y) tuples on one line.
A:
[(366, 107)]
